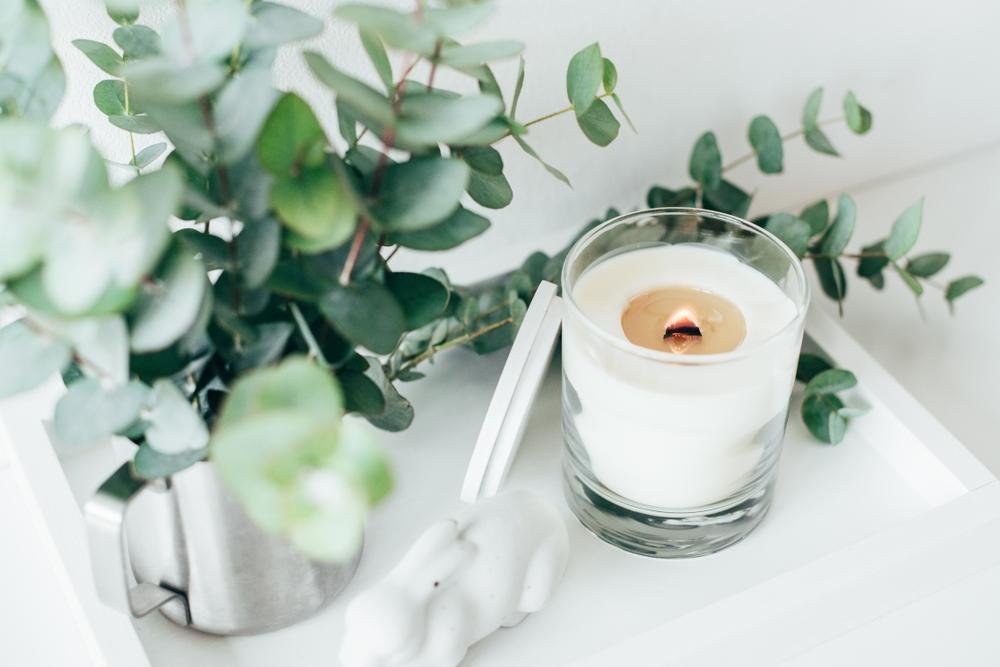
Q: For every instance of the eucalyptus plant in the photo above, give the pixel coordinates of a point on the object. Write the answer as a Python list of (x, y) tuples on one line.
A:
[(262, 330), (246, 334)]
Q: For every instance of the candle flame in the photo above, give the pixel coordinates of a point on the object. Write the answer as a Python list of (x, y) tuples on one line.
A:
[(682, 330)]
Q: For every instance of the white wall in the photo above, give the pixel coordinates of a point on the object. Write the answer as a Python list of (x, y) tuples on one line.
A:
[(926, 69)]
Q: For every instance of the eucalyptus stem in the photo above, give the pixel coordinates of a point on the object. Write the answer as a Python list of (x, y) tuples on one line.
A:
[(458, 340), (128, 112), (549, 116), (784, 139), (307, 335)]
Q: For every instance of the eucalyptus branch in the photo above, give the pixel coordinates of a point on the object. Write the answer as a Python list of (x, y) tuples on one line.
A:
[(452, 342), (785, 138)]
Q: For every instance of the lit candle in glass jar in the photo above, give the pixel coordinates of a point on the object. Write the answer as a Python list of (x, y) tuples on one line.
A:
[(678, 363)]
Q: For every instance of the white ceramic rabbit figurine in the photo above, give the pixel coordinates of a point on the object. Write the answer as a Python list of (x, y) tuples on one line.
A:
[(460, 581)]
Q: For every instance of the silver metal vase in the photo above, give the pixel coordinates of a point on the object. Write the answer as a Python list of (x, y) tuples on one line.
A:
[(186, 547)]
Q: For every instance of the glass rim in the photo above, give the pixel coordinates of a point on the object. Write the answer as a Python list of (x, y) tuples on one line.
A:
[(801, 305)]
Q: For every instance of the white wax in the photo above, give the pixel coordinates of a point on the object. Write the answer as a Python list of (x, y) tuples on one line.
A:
[(677, 435)]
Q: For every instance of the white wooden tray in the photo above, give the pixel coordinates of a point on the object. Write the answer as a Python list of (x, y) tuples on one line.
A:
[(856, 531)]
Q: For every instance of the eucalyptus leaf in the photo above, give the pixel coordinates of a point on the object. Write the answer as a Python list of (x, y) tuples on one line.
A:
[(102, 55), (484, 159), (454, 230), (257, 250), (366, 314), (909, 280), (169, 306), (31, 79), (138, 124), (419, 193), (839, 233), (274, 24), (28, 358), (584, 76), (396, 28), (727, 197), (398, 412), (151, 464), (476, 54), (433, 118), (291, 137), (831, 381), (109, 97), (174, 426), (793, 231), (365, 101), (598, 123), (317, 207), (148, 155), (832, 279), (361, 394), (821, 414), (137, 41), (659, 197), (767, 144), (905, 230), (548, 167), (960, 286), (705, 166), (380, 59), (873, 260), (162, 81), (814, 136), (491, 191), (207, 30), (811, 365), (89, 414), (859, 119), (817, 216), (266, 348), (928, 264), (240, 110), (458, 18), (421, 297)]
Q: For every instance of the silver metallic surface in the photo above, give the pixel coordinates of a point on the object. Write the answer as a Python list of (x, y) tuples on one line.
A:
[(199, 558)]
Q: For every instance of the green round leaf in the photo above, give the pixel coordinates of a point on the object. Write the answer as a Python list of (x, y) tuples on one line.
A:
[(422, 298), (368, 104), (831, 381), (598, 123), (398, 413), (416, 194), (28, 358), (817, 216), (490, 191), (705, 165), (109, 97), (291, 137), (317, 207), (139, 124), (396, 29), (859, 119), (361, 394), (137, 41), (610, 76), (366, 314), (832, 279), (484, 159), (168, 308), (727, 197), (174, 426), (584, 76), (811, 365), (151, 464), (89, 414), (820, 412), (792, 231), (766, 141), (433, 118), (274, 24)]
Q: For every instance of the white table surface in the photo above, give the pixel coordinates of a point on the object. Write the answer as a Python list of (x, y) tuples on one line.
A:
[(945, 362)]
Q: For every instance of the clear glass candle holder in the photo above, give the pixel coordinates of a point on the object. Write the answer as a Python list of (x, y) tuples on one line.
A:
[(670, 454)]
